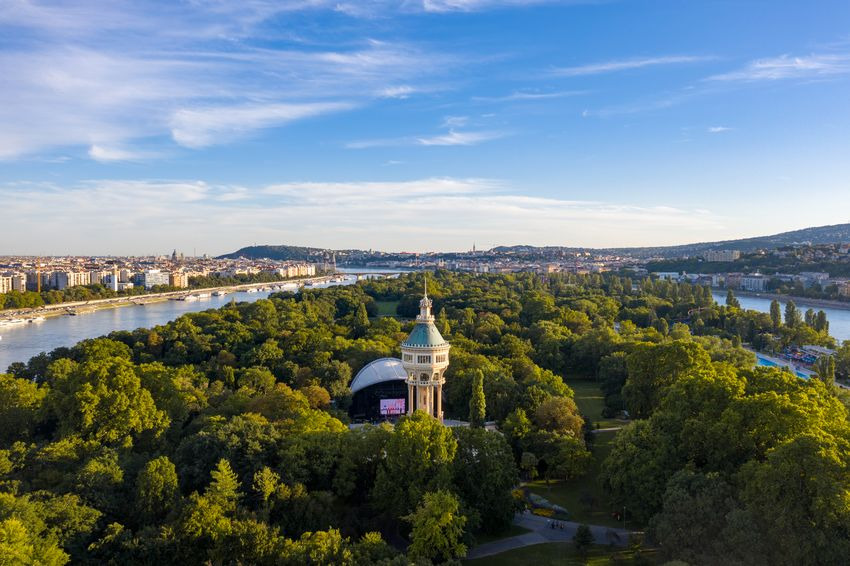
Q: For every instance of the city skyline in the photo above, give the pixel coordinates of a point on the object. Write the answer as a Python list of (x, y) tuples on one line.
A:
[(417, 125)]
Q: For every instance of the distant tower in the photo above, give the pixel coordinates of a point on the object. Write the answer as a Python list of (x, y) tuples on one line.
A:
[(174, 255), (425, 357)]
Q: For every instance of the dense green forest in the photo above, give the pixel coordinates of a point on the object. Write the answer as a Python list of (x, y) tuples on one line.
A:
[(222, 437)]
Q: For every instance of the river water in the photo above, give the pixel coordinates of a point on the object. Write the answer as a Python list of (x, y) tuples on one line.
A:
[(21, 342), (839, 319)]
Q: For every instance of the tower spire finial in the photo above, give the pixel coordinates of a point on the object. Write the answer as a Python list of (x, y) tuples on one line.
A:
[(426, 284)]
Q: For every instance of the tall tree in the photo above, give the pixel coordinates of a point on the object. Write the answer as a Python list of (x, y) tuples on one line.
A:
[(224, 488), (825, 368), (775, 314), (418, 458), (731, 300), (484, 475), (20, 546), (443, 322), (361, 321), (809, 317), (156, 488), (792, 315), (821, 323), (20, 406), (477, 403), (103, 399), (438, 528), (559, 415), (653, 367)]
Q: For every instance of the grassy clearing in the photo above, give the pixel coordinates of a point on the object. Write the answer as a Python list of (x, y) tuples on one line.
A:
[(513, 531), (590, 402), (386, 308), (553, 553), (583, 497), (570, 495)]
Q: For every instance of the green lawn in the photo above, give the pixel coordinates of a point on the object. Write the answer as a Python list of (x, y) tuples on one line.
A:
[(513, 531), (590, 402), (572, 495), (386, 308), (554, 554), (569, 494)]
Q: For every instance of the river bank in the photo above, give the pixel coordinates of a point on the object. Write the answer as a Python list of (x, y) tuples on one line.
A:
[(20, 342), (83, 307), (801, 301)]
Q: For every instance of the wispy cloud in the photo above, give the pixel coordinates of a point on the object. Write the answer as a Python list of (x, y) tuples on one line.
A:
[(403, 91), (477, 5), (626, 64), (200, 71), (530, 96), (452, 137), (202, 127), (216, 18), (151, 215), (106, 154), (455, 121), (787, 67), (718, 129), (460, 138)]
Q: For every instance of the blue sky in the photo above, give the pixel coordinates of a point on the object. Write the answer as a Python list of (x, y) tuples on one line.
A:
[(137, 127)]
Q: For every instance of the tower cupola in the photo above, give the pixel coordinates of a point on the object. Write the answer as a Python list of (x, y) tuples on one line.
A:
[(425, 358)]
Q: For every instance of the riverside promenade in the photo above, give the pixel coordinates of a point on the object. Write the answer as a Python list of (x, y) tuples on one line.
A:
[(65, 308)]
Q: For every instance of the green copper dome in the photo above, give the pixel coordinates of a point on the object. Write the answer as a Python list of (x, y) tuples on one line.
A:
[(424, 335)]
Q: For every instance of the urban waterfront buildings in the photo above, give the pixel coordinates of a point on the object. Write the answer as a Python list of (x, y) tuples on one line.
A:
[(122, 273)]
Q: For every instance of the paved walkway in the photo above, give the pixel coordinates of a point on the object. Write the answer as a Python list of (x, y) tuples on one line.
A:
[(542, 533), (608, 429)]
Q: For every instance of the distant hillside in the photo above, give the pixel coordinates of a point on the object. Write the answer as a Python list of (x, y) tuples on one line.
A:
[(283, 253), (819, 235)]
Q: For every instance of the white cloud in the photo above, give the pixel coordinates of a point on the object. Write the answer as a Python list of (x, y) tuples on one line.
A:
[(450, 138), (111, 77), (455, 121), (787, 67), (626, 64), (357, 193), (460, 138), (153, 215), (106, 154), (530, 96), (202, 127), (477, 5), (718, 129), (403, 91)]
